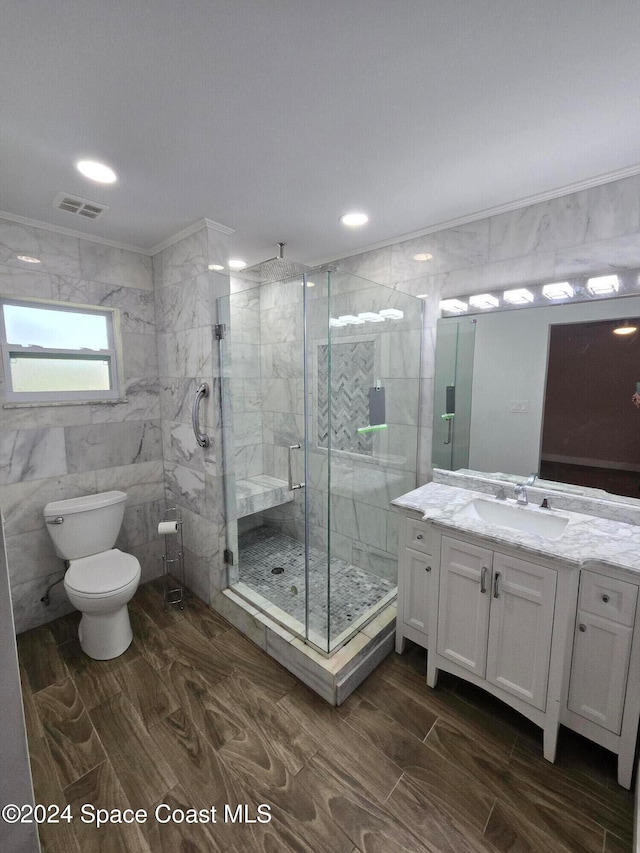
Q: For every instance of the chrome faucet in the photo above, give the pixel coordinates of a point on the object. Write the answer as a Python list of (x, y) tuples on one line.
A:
[(532, 478), (521, 494)]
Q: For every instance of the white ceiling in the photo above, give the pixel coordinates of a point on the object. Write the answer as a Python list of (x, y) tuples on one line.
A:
[(273, 117)]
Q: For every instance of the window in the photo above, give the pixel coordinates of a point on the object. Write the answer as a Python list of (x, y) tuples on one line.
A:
[(58, 353)]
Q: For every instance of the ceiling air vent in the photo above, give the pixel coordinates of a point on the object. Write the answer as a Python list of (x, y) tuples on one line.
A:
[(79, 206)]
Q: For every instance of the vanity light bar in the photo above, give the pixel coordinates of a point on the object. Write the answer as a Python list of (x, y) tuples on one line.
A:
[(558, 290), (334, 321), (519, 296), (603, 285), (371, 317), (453, 306), (391, 313), (484, 300)]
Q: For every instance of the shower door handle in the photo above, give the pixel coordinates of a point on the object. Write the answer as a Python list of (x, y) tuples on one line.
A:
[(292, 485), (201, 438)]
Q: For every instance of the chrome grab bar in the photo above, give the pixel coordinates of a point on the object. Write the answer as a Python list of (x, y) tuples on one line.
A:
[(201, 438), (292, 485), (57, 520)]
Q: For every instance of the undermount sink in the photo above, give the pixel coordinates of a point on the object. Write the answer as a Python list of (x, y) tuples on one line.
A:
[(526, 519)]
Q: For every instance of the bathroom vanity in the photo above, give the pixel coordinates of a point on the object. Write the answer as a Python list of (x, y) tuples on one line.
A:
[(537, 606)]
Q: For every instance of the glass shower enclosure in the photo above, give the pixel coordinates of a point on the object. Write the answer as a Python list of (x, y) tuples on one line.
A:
[(320, 425)]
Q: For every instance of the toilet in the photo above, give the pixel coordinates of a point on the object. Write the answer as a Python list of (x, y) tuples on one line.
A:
[(100, 580)]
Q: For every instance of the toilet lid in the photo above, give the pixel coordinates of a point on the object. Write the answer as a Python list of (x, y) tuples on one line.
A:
[(102, 573)]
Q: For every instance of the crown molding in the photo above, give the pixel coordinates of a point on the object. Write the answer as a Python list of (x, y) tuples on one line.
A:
[(70, 232), (198, 225), (537, 198)]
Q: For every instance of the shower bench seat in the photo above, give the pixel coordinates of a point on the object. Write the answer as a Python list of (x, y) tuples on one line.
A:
[(256, 494)]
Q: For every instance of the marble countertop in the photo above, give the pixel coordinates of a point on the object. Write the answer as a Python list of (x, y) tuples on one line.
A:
[(587, 542)]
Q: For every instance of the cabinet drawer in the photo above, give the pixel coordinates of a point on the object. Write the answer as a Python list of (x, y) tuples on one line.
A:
[(419, 536), (607, 597)]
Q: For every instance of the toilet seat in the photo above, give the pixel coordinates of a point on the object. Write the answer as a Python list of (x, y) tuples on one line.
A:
[(102, 574)]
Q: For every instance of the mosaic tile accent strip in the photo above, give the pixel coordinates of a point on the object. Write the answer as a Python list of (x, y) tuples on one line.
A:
[(352, 366), (353, 590)]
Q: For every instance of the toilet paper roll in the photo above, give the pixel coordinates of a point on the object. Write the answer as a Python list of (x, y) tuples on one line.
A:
[(168, 528)]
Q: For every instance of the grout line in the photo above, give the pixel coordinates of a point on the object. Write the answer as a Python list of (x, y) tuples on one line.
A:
[(400, 778), (431, 728), (489, 815)]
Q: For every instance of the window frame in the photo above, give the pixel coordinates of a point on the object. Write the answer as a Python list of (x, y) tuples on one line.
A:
[(113, 354)]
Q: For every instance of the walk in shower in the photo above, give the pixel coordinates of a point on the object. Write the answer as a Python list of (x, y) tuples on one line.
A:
[(320, 424)]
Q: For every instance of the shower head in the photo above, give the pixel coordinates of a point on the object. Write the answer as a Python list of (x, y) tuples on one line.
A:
[(275, 269)]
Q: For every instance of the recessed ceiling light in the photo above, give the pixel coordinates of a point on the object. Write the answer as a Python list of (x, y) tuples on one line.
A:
[(216, 267), (603, 284), (453, 306), (28, 259), (99, 172), (237, 264), (484, 300), (354, 219), (558, 290), (519, 296), (423, 256)]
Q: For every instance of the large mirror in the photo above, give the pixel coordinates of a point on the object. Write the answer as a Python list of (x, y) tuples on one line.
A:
[(546, 389)]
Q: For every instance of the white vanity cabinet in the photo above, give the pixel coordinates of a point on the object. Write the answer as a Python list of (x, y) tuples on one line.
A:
[(415, 573), (603, 699), (495, 618)]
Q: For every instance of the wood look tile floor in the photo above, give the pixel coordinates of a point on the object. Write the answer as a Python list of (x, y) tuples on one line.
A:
[(194, 715)]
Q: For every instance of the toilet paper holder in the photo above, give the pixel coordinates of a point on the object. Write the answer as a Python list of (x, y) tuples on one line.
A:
[(170, 526)]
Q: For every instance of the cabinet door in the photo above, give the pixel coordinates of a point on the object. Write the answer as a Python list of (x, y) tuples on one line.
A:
[(521, 624), (463, 607), (599, 670), (418, 573)]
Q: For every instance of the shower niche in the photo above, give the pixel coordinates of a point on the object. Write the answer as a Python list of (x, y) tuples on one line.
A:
[(320, 425)]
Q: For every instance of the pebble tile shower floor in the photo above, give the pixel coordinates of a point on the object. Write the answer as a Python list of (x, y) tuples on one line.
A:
[(353, 590)]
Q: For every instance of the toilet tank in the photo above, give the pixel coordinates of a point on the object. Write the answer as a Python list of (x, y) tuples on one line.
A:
[(90, 524)]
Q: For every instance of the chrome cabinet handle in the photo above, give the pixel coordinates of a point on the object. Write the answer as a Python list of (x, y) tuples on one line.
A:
[(496, 580), (58, 520), (483, 579), (201, 438), (293, 486)]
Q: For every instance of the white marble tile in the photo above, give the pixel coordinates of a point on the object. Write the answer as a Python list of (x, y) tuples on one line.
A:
[(31, 555), (245, 361), (599, 257), (281, 325), (115, 266), (537, 266), (186, 305), (184, 259), (58, 253), (29, 611), (109, 445), (186, 353), (15, 281), (539, 227), (23, 503), (400, 354), (140, 524), (46, 417), (180, 447), (142, 482), (200, 535), (32, 454), (142, 403), (376, 561), (185, 487), (453, 248), (139, 355), (137, 306), (612, 209), (376, 265), (241, 615), (247, 429), (359, 521)]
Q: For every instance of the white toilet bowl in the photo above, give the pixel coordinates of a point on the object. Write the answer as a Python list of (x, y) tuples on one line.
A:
[(100, 586)]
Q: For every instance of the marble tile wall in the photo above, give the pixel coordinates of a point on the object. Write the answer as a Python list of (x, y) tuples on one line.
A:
[(590, 231), (186, 293), (57, 452)]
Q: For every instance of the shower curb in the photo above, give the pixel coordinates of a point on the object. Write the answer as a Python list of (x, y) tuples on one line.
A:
[(333, 678)]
